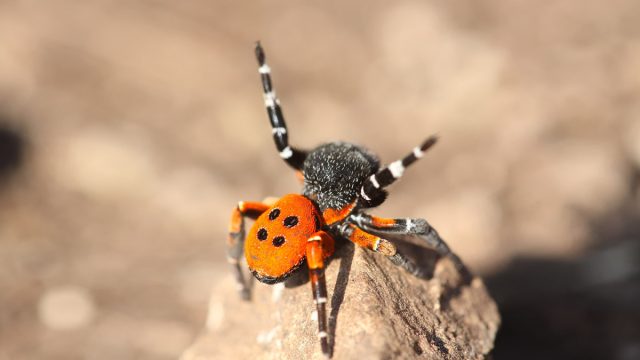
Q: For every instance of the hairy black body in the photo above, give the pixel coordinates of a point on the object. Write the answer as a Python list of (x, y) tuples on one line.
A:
[(334, 173)]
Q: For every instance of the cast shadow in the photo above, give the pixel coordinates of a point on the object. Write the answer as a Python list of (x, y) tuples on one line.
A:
[(12, 150), (582, 308), (346, 255), (427, 259)]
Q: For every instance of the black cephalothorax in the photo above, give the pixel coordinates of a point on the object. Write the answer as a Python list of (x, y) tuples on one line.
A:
[(334, 173)]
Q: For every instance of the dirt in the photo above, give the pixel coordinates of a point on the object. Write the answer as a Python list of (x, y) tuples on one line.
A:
[(129, 130)]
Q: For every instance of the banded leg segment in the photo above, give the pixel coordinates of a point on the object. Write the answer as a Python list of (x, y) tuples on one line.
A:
[(235, 240), (293, 157), (379, 245), (366, 240), (411, 227), (372, 192), (319, 246)]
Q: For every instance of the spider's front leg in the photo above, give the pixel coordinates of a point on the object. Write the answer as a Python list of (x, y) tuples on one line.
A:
[(292, 156), (319, 245), (235, 241), (411, 227)]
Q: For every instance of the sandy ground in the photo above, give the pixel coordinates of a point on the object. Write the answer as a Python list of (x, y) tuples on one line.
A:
[(128, 130)]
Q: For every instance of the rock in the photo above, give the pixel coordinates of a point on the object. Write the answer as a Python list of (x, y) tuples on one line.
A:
[(376, 311)]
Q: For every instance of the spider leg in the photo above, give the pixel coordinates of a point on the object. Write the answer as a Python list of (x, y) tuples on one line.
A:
[(235, 240), (372, 192), (379, 245), (292, 156), (319, 246), (412, 227)]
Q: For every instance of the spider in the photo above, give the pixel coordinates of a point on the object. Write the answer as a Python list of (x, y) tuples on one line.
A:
[(340, 182)]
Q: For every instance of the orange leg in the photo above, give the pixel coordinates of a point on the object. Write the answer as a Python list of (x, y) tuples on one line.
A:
[(386, 223), (369, 241), (382, 246), (235, 240), (320, 246)]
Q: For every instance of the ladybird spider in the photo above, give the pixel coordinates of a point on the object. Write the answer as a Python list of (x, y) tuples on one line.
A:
[(340, 181)]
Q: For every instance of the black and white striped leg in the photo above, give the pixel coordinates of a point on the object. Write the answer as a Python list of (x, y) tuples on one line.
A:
[(315, 250), (412, 227), (319, 288), (293, 157), (408, 265), (372, 192), (379, 245)]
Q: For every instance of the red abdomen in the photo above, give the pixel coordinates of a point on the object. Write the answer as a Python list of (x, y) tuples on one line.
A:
[(276, 244)]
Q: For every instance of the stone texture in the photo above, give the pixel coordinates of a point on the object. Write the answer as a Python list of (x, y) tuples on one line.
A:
[(377, 311)]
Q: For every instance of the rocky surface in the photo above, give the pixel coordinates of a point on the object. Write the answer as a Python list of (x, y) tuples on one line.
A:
[(377, 311)]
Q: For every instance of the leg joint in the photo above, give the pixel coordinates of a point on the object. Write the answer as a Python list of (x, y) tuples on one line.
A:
[(384, 247), (418, 226)]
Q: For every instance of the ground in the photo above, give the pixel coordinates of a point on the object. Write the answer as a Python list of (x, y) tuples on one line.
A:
[(128, 130)]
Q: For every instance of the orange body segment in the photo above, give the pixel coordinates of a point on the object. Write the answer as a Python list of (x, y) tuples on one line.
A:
[(331, 215), (276, 244)]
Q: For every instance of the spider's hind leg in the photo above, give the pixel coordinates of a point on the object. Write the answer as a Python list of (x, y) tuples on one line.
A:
[(382, 246), (412, 227), (235, 241), (292, 156)]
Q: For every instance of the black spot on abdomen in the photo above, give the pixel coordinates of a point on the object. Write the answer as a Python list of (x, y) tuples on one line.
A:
[(278, 241), (274, 214), (291, 221)]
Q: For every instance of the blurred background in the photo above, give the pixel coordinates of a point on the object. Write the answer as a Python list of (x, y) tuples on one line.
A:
[(128, 130)]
